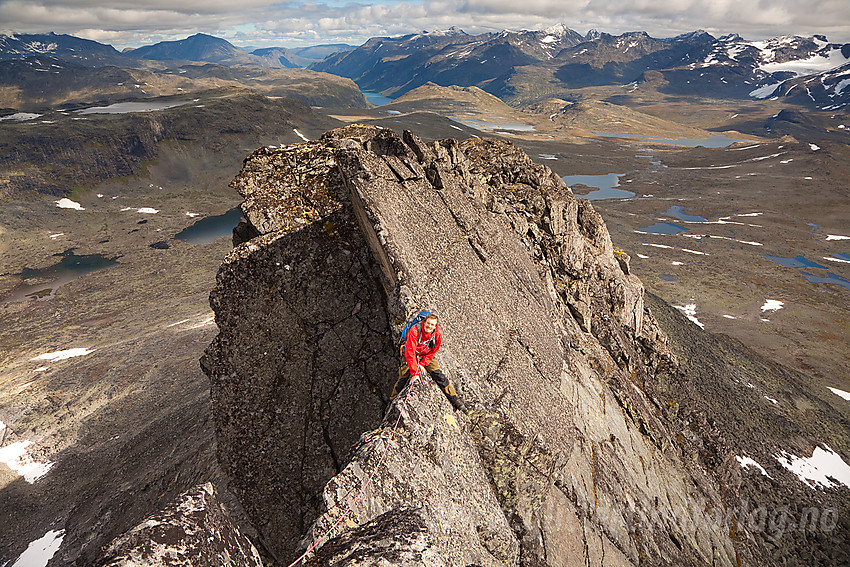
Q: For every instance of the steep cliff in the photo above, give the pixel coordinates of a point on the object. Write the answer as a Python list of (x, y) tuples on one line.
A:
[(568, 455)]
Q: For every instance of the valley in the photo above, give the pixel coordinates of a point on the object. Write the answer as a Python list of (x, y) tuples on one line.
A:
[(99, 367)]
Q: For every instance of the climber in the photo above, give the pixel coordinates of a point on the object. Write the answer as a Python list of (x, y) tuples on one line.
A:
[(421, 343)]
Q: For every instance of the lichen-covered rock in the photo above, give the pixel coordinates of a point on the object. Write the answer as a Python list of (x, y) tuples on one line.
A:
[(195, 530), (397, 538), (565, 457)]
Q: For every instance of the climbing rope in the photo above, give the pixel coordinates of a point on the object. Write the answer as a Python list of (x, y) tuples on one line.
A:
[(412, 381)]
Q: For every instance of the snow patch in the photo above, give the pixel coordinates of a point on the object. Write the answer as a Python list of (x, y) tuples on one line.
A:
[(208, 321), (677, 263), (814, 147), (192, 215), (41, 551), (765, 91), (772, 305), (831, 259), (824, 469), (748, 462), (55, 236), (16, 457), (815, 64), (842, 393), (143, 210), (642, 256), (730, 316), (690, 312), (63, 354), (65, 203), (20, 117), (837, 237), (300, 135), (771, 400)]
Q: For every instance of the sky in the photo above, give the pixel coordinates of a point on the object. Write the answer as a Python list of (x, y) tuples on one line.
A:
[(266, 23)]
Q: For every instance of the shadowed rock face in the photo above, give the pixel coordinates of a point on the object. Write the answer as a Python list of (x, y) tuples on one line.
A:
[(194, 530), (565, 457)]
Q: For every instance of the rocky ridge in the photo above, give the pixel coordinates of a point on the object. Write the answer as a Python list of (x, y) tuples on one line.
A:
[(568, 455), (195, 529)]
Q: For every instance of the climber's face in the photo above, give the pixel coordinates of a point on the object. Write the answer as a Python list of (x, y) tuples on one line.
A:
[(429, 325)]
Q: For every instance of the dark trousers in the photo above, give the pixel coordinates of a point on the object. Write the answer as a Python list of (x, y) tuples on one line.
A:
[(432, 369)]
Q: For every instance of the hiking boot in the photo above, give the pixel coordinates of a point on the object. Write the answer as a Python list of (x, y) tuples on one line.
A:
[(458, 404)]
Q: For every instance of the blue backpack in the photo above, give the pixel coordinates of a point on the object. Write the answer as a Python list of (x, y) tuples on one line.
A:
[(417, 320)]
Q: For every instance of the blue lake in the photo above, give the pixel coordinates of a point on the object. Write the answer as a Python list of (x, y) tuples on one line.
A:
[(842, 256), (377, 98), (710, 142), (210, 229), (678, 212), (606, 185), (795, 262), (47, 280), (663, 228)]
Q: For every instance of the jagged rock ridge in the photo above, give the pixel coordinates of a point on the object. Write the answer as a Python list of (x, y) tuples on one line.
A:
[(565, 458), (195, 529)]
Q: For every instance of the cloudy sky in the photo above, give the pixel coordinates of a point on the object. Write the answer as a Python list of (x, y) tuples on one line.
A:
[(262, 23)]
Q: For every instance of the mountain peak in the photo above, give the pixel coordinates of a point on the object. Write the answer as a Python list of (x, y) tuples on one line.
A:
[(557, 29)]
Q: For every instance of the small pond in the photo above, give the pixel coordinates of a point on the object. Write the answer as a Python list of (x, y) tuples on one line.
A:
[(830, 279), (607, 186), (494, 126), (710, 142), (795, 262), (42, 283), (668, 277), (125, 107), (663, 228), (377, 98), (677, 211), (210, 229)]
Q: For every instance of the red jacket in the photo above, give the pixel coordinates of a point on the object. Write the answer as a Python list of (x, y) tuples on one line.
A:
[(418, 352)]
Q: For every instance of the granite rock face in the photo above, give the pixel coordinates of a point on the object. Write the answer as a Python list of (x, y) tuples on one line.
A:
[(195, 530), (565, 457)]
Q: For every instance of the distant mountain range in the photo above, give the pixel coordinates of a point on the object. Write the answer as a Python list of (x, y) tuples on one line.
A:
[(520, 67), (524, 67), (196, 48)]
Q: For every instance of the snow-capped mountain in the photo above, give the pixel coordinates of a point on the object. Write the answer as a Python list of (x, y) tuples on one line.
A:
[(522, 65), (404, 63), (81, 51), (772, 68)]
